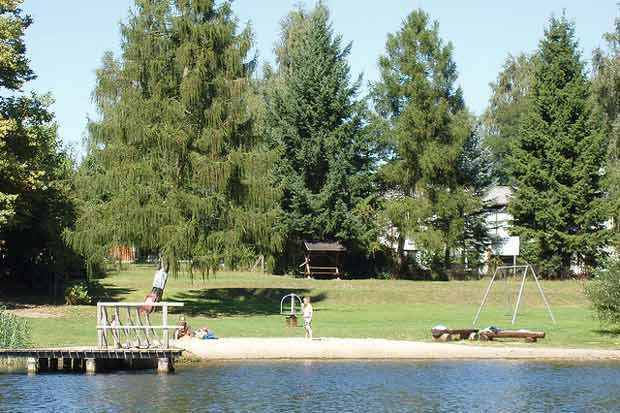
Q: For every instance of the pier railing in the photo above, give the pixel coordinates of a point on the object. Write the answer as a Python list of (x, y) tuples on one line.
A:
[(128, 325)]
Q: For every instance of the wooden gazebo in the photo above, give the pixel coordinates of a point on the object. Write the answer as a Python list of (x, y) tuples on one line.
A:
[(323, 258)]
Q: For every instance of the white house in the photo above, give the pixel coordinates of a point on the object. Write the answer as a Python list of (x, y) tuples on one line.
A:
[(498, 223)]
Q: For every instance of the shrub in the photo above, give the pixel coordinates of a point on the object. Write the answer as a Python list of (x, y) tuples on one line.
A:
[(78, 294), (14, 331), (604, 292)]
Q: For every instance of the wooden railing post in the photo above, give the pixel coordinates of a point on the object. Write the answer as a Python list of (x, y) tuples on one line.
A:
[(100, 332), (164, 319)]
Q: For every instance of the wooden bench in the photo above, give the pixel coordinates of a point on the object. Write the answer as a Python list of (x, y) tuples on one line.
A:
[(313, 270), (449, 334), (529, 336)]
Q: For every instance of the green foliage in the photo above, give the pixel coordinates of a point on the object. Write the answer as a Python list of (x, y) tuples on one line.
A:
[(433, 192), (502, 119), (78, 294), (173, 164), (558, 208), (606, 91), (14, 65), (604, 293), (35, 173), (315, 124), (14, 331)]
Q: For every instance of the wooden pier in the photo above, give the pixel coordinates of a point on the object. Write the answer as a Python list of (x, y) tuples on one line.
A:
[(93, 359), (129, 342)]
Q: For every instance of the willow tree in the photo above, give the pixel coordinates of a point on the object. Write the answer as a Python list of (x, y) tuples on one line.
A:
[(172, 162), (431, 200)]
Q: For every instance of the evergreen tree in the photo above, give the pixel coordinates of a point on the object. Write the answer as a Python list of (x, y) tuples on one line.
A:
[(606, 90), (476, 169), (173, 164), (315, 124), (429, 196), (35, 194), (558, 161), (502, 119)]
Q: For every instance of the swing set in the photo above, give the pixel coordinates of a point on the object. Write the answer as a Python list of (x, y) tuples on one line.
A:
[(508, 272)]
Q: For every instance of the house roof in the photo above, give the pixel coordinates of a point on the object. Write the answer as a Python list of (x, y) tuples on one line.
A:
[(498, 196), (321, 246)]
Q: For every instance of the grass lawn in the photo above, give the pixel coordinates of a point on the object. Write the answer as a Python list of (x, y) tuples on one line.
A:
[(237, 304)]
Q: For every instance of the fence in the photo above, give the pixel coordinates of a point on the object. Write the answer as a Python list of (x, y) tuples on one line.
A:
[(125, 330)]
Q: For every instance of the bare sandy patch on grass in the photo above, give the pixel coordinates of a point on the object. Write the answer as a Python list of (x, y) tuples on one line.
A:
[(38, 311)]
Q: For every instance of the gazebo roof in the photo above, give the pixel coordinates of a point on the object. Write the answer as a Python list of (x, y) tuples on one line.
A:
[(320, 246)]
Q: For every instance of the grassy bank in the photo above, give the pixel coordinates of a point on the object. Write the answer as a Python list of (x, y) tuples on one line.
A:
[(247, 305)]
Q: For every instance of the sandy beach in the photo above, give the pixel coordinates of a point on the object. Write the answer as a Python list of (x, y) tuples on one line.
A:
[(339, 348)]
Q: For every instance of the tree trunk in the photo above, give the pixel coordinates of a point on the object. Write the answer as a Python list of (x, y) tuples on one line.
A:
[(400, 259)]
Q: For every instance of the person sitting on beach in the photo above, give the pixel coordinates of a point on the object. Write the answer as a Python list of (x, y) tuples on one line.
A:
[(183, 329), (307, 311)]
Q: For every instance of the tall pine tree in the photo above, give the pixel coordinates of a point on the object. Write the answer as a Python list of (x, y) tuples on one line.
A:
[(606, 90), (172, 165), (558, 161), (316, 127), (430, 196)]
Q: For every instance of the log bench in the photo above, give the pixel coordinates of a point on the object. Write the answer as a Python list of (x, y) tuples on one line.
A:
[(449, 334), (529, 336)]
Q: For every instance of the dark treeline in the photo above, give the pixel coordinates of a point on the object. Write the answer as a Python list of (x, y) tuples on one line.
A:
[(197, 154)]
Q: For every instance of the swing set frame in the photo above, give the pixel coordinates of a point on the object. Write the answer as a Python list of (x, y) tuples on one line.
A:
[(504, 271)]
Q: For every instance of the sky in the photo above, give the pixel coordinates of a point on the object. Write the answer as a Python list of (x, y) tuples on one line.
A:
[(68, 39)]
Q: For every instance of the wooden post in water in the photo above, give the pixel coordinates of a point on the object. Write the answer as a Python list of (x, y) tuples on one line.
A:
[(91, 366), (32, 365), (164, 365), (78, 364), (66, 363)]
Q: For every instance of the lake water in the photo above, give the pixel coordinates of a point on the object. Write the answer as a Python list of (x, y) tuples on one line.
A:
[(319, 386)]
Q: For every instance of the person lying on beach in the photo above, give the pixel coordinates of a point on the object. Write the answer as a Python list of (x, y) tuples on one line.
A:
[(183, 329), (204, 333)]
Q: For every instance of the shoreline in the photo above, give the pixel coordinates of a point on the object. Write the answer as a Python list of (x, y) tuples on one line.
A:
[(327, 348)]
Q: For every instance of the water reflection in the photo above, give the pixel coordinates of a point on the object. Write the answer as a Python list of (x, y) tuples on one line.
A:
[(312, 386)]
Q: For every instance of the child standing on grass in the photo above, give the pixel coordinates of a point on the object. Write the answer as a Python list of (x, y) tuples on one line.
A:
[(307, 310)]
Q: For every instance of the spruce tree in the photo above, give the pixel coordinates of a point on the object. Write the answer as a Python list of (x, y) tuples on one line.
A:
[(606, 90), (315, 124), (429, 195), (558, 161), (173, 165)]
